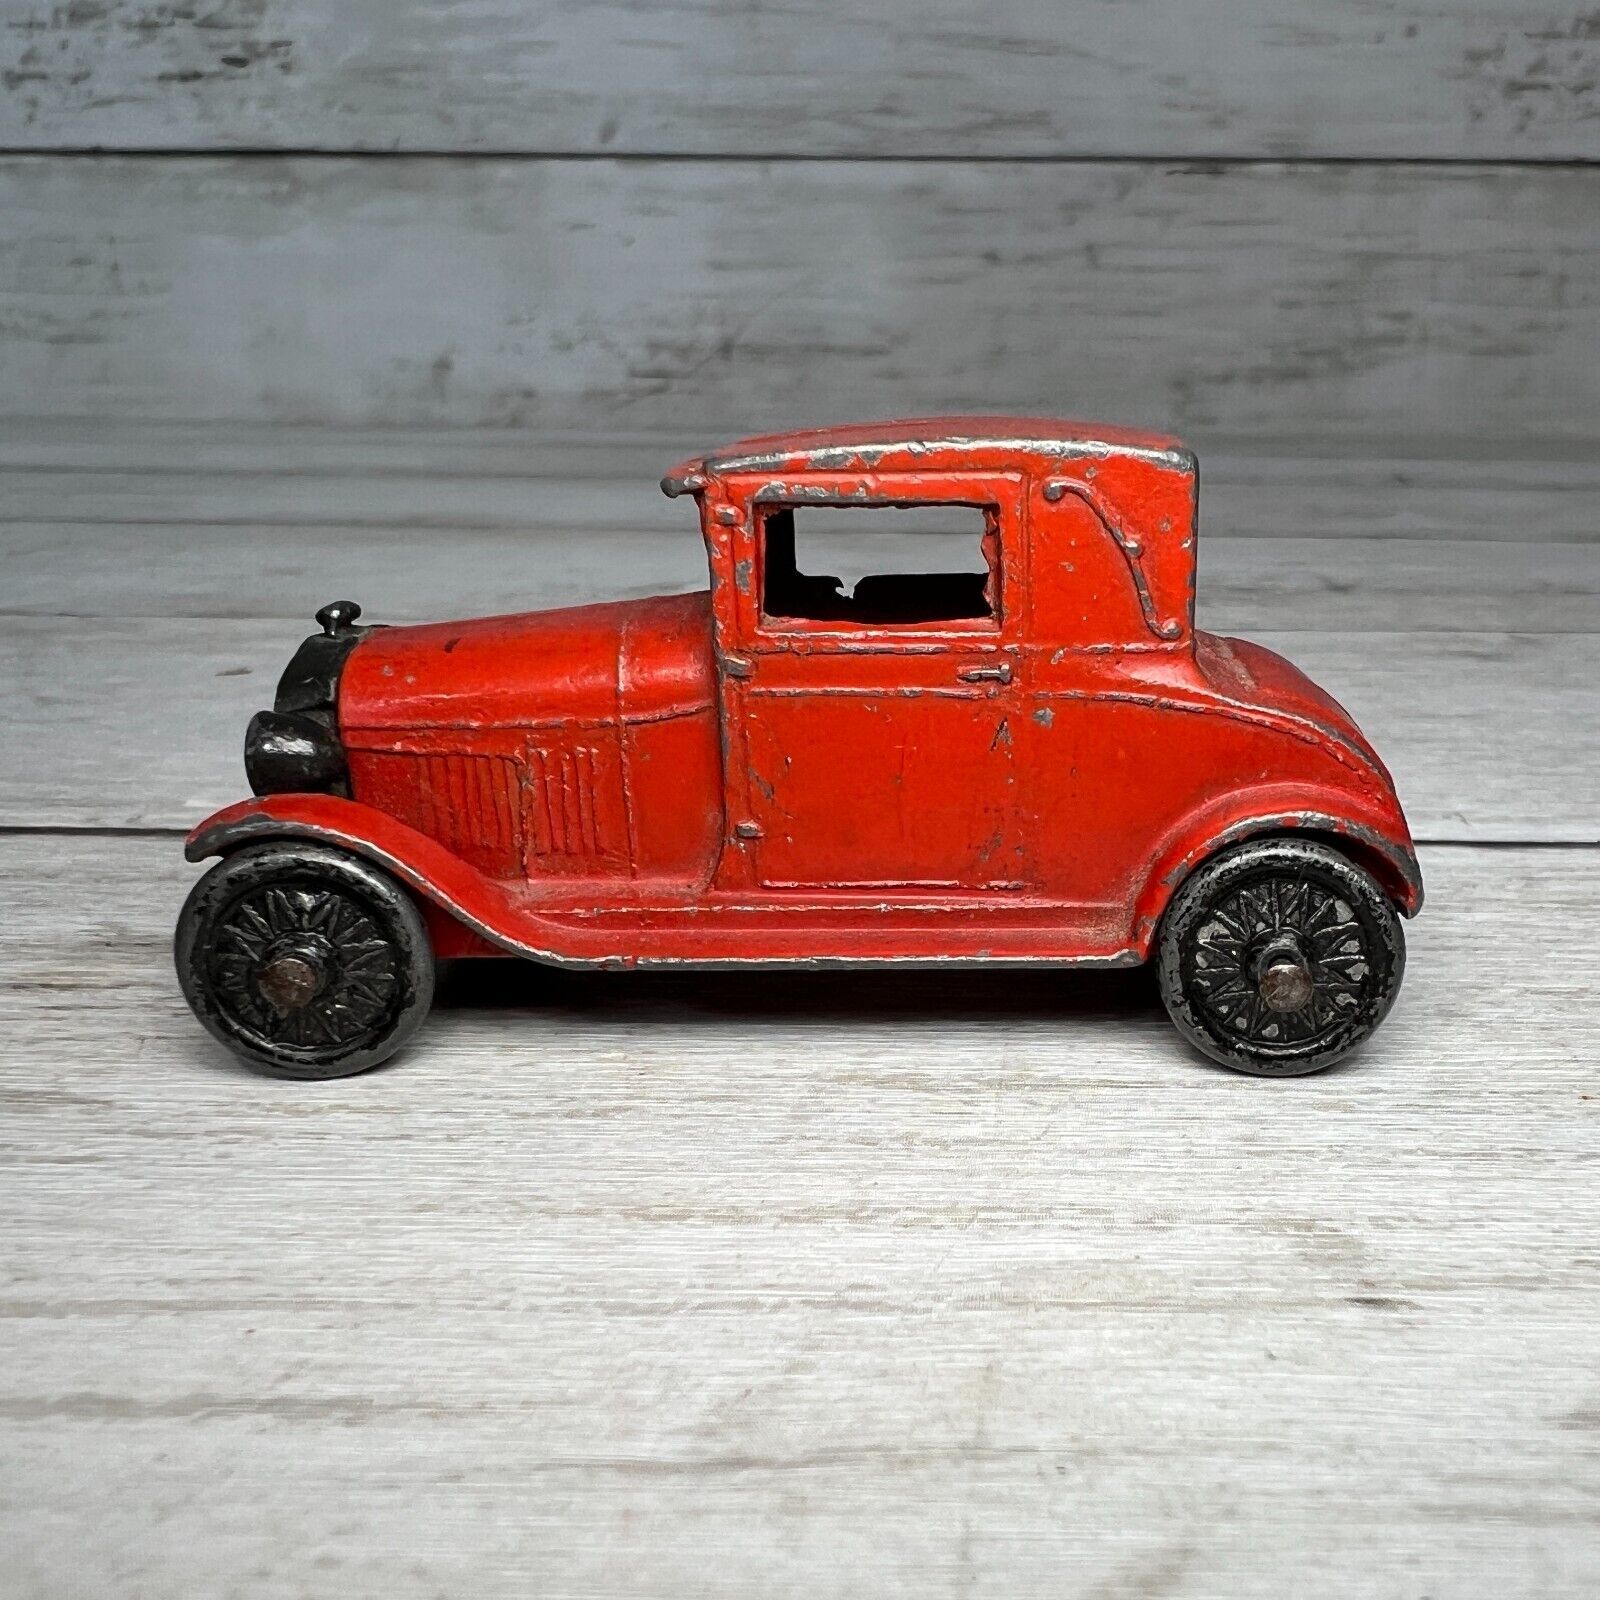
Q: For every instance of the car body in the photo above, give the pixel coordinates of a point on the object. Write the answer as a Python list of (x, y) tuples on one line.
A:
[(1020, 764)]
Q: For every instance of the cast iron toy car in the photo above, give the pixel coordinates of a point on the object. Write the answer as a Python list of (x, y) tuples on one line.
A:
[(1037, 760)]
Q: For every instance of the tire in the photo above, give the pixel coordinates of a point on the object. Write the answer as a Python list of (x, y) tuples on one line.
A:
[(305, 961), (1280, 957)]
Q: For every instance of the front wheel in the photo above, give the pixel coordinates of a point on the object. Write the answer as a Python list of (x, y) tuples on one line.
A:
[(1280, 957), (305, 961)]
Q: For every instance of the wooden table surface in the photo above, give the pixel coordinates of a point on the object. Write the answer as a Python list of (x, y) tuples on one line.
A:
[(787, 1284)]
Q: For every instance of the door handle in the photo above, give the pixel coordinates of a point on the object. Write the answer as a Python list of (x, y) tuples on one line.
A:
[(1001, 673)]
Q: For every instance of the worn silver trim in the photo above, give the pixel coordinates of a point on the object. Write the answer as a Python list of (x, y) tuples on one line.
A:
[(869, 452)]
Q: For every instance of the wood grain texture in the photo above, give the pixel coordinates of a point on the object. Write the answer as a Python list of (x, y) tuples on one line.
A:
[(239, 521), (154, 591), (420, 572), (1375, 78), (1315, 304), (420, 483), (139, 722), (903, 1285)]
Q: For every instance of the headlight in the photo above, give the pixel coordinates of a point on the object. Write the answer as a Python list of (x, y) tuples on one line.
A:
[(295, 747), (287, 754)]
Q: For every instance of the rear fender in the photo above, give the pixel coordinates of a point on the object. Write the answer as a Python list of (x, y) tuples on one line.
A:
[(422, 864), (1387, 853)]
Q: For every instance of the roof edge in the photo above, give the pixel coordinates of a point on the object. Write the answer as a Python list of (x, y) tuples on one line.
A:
[(866, 445), (869, 452)]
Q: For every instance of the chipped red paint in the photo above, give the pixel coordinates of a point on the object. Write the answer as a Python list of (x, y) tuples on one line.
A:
[(687, 780)]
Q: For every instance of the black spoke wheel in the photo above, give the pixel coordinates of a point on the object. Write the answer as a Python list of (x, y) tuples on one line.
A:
[(1280, 957), (305, 961)]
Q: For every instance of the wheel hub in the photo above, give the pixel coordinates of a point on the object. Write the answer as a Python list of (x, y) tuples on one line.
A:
[(1284, 979), (292, 976)]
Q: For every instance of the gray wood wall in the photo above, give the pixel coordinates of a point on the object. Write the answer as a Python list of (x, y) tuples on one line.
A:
[(1488, 80), (1338, 225)]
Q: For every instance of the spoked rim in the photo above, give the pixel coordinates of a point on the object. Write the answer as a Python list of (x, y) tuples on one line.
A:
[(304, 969), (305, 960), (1279, 957), (1282, 964)]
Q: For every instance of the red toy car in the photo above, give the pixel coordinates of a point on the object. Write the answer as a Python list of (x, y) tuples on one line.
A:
[(1033, 759)]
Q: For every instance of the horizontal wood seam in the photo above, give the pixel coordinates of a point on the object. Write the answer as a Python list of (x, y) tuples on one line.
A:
[(1199, 164)]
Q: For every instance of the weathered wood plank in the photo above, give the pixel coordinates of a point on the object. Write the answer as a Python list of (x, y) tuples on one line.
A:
[(1482, 78), (418, 573), (425, 481), (1313, 303), (678, 1287), (138, 722)]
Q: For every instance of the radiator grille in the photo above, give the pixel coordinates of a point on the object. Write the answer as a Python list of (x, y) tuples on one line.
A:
[(473, 804), (562, 802)]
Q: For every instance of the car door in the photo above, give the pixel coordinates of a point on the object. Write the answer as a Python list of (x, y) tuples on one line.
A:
[(877, 719)]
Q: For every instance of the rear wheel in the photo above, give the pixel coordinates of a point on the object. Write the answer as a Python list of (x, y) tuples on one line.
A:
[(305, 961), (1280, 957)]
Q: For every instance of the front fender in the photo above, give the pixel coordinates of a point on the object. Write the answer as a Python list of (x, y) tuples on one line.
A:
[(421, 863), (1380, 842)]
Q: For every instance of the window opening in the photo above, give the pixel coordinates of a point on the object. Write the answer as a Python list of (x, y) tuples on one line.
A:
[(881, 564)]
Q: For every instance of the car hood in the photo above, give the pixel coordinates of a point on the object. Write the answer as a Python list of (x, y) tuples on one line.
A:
[(637, 659)]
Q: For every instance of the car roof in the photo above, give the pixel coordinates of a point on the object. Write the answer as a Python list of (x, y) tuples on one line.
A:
[(928, 442)]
